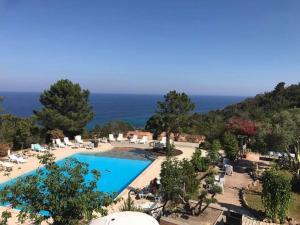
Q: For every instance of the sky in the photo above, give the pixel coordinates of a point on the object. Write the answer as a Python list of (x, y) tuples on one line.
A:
[(206, 47)]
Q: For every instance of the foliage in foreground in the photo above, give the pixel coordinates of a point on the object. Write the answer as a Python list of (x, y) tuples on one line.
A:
[(129, 205), (180, 184), (276, 194), (57, 192)]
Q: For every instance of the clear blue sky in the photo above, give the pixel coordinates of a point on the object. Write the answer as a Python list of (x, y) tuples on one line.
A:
[(215, 47)]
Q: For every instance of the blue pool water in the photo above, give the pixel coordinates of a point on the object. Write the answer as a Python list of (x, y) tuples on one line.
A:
[(116, 173)]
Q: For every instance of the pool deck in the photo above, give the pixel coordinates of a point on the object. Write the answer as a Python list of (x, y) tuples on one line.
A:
[(152, 171)]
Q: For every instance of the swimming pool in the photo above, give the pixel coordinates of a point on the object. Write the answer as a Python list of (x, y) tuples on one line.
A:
[(116, 173)]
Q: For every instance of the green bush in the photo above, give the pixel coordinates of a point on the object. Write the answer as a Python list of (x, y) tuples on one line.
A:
[(200, 163), (276, 194)]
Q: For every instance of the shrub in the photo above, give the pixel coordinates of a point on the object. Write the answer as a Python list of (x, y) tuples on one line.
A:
[(200, 163), (56, 133), (276, 194)]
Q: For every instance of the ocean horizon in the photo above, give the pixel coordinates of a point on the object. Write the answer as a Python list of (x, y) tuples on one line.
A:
[(133, 108)]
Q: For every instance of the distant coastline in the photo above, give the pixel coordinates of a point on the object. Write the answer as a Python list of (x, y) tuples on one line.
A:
[(133, 108)]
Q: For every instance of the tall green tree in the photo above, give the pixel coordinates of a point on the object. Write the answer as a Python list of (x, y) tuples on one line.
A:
[(153, 125), (173, 114), (230, 145), (213, 151), (66, 107), (57, 192), (276, 194)]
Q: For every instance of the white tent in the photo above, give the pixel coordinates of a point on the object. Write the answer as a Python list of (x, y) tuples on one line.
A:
[(126, 218)]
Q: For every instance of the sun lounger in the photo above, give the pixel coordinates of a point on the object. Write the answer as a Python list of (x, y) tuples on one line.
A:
[(134, 139), (120, 138), (104, 140), (163, 141), (38, 148), (144, 140), (90, 145), (59, 143), (14, 158), (111, 138), (67, 142), (78, 139)]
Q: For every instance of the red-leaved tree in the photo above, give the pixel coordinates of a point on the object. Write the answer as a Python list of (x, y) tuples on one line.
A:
[(241, 126)]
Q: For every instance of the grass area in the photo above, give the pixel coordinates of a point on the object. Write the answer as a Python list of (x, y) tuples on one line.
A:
[(294, 208), (254, 201)]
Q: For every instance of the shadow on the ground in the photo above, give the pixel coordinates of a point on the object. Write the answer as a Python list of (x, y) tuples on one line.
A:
[(235, 208)]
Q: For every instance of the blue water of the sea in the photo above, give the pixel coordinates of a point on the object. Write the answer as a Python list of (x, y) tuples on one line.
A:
[(135, 109)]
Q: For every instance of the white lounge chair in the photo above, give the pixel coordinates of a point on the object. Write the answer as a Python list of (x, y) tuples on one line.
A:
[(67, 142), (59, 143), (134, 139), (111, 138), (78, 140), (14, 158), (144, 140), (38, 148), (104, 140), (163, 141), (120, 138)]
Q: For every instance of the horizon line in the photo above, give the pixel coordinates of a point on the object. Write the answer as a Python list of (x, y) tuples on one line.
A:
[(158, 94)]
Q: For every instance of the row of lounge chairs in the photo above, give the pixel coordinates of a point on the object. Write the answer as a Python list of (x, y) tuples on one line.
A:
[(67, 142), (58, 143), (134, 139)]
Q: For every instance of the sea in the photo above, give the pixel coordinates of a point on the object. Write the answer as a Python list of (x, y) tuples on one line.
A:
[(133, 108)]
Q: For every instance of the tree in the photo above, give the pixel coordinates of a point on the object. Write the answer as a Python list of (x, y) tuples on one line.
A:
[(207, 194), (200, 163), (213, 151), (57, 192), (178, 181), (173, 114), (230, 146), (66, 107), (153, 125), (211, 125), (180, 184), (21, 132), (276, 194), (241, 126)]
